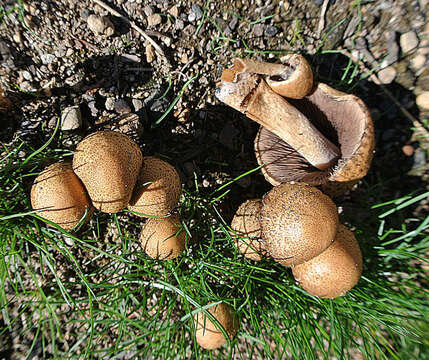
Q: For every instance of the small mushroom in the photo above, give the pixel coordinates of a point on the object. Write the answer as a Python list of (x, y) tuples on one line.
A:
[(292, 79), (208, 334), (61, 196), (298, 222), (108, 164), (246, 226), (157, 190), (335, 271), (344, 119), (163, 239)]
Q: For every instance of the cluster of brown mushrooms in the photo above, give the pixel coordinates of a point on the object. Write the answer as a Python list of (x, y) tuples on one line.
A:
[(109, 173), (311, 135)]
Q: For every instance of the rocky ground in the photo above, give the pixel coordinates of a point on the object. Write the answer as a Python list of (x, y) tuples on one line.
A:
[(90, 66)]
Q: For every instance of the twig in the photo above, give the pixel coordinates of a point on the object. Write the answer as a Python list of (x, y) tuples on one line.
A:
[(135, 27), (322, 18)]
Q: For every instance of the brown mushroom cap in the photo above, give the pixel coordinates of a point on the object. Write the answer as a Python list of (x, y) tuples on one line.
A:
[(162, 191), (246, 226), (298, 222), (108, 164), (58, 190), (208, 335), (342, 118), (163, 239), (335, 271), (292, 79)]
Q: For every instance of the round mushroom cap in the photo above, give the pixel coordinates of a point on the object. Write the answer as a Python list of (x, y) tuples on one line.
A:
[(335, 271), (208, 335), (108, 164), (298, 222), (344, 119), (163, 239), (59, 191), (157, 190), (246, 226)]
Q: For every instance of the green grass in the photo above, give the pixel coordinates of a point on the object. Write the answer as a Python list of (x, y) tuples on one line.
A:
[(102, 296)]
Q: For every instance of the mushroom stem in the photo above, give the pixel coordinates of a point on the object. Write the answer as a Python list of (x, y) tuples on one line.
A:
[(251, 95)]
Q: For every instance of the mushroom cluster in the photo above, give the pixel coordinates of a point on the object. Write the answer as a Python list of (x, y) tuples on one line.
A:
[(310, 132), (109, 173), (297, 225)]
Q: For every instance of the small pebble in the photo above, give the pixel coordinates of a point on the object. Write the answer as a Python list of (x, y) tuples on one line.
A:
[(258, 30), (422, 100), (71, 118), (270, 31), (121, 107), (100, 25), (110, 103), (387, 75), (154, 20), (408, 41), (47, 58), (150, 55), (138, 104), (418, 61), (408, 150), (174, 11)]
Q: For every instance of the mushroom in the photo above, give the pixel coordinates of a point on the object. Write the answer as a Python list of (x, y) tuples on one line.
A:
[(292, 79), (163, 239), (208, 334), (60, 196), (298, 222), (108, 164), (157, 190), (298, 137), (343, 118), (246, 228), (335, 271)]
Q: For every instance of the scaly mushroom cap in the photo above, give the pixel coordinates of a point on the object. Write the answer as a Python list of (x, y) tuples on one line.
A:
[(208, 335), (58, 190), (335, 271), (157, 190), (342, 118), (163, 239), (246, 226), (298, 222), (108, 164)]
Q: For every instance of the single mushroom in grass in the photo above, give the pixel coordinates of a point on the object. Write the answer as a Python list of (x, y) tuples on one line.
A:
[(208, 334), (157, 190), (247, 232), (335, 271), (163, 239), (60, 196), (108, 163), (298, 222), (327, 136)]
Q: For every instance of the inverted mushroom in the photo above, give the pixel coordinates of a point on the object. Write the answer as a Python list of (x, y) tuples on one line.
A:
[(298, 138)]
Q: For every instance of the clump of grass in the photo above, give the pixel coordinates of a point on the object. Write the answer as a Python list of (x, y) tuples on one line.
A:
[(102, 296)]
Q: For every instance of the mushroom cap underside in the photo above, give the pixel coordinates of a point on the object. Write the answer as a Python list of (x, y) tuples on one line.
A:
[(342, 118)]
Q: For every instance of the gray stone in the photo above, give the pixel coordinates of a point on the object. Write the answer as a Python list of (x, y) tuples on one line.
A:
[(27, 75), (101, 25), (258, 30), (148, 10), (393, 50), (270, 31), (47, 58), (408, 41), (138, 104), (180, 24), (71, 118), (197, 12), (121, 107), (110, 103)]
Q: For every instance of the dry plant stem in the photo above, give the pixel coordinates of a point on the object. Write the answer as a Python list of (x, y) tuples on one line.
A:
[(252, 96), (135, 27)]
